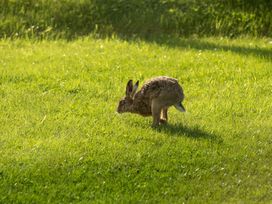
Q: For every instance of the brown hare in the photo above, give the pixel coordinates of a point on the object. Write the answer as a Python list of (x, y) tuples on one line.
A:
[(154, 98)]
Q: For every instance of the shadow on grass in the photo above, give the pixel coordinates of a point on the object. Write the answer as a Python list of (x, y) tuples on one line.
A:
[(179, 130), (200, 44)]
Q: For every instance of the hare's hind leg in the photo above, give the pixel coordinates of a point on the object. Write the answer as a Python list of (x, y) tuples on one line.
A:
[(164, 115)]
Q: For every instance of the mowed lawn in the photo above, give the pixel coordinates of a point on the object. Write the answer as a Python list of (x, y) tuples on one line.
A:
[(61, 140)]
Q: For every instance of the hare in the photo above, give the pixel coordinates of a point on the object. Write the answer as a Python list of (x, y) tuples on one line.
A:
[(153, 99)]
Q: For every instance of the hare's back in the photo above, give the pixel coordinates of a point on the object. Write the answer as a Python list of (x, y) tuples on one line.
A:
[(162, 86)]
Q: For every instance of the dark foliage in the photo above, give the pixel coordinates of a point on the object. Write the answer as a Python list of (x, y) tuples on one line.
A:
[(144, 18)]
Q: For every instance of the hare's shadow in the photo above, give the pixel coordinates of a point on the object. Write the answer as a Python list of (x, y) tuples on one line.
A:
[(195, 132)]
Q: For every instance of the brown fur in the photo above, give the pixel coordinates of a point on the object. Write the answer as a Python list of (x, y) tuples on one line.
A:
[(154, 98)]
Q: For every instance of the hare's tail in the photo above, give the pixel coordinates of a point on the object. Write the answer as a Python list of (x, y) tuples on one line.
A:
[(180, 107)]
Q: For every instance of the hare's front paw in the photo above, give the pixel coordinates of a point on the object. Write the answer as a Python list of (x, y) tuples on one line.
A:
[(155, 124)]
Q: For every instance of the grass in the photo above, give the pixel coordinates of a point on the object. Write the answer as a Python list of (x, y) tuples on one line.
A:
[(62, 142), (42, 19)]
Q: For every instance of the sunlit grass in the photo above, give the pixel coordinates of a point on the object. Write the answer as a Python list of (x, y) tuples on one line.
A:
[(61, 140)]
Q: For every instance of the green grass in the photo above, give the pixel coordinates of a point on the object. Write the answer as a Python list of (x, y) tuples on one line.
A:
[(42, 19), (62, 142)]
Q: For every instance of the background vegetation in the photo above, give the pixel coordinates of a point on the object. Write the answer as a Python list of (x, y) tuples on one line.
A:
[(144, 18)]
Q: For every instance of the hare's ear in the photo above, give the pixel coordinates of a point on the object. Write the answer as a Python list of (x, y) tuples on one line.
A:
[(135, 87), (129, 88)]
